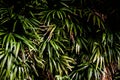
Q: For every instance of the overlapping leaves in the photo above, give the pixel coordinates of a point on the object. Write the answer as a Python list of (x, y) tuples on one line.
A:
[(69, 42)]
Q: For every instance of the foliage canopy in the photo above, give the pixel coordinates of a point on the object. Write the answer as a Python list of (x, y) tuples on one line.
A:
[(62, 40)]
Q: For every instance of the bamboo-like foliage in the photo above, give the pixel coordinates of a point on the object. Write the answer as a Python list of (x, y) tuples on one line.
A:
[(57, 40)]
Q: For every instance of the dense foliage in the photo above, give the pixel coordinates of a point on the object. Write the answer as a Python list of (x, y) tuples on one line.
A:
[(59, 40)]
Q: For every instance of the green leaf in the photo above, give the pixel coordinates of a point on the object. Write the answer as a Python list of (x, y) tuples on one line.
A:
[(17, 48), (51, 66), (2, 56), (89, 16), (90, 72), (94, 19), (99, 21), (26, 41)]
